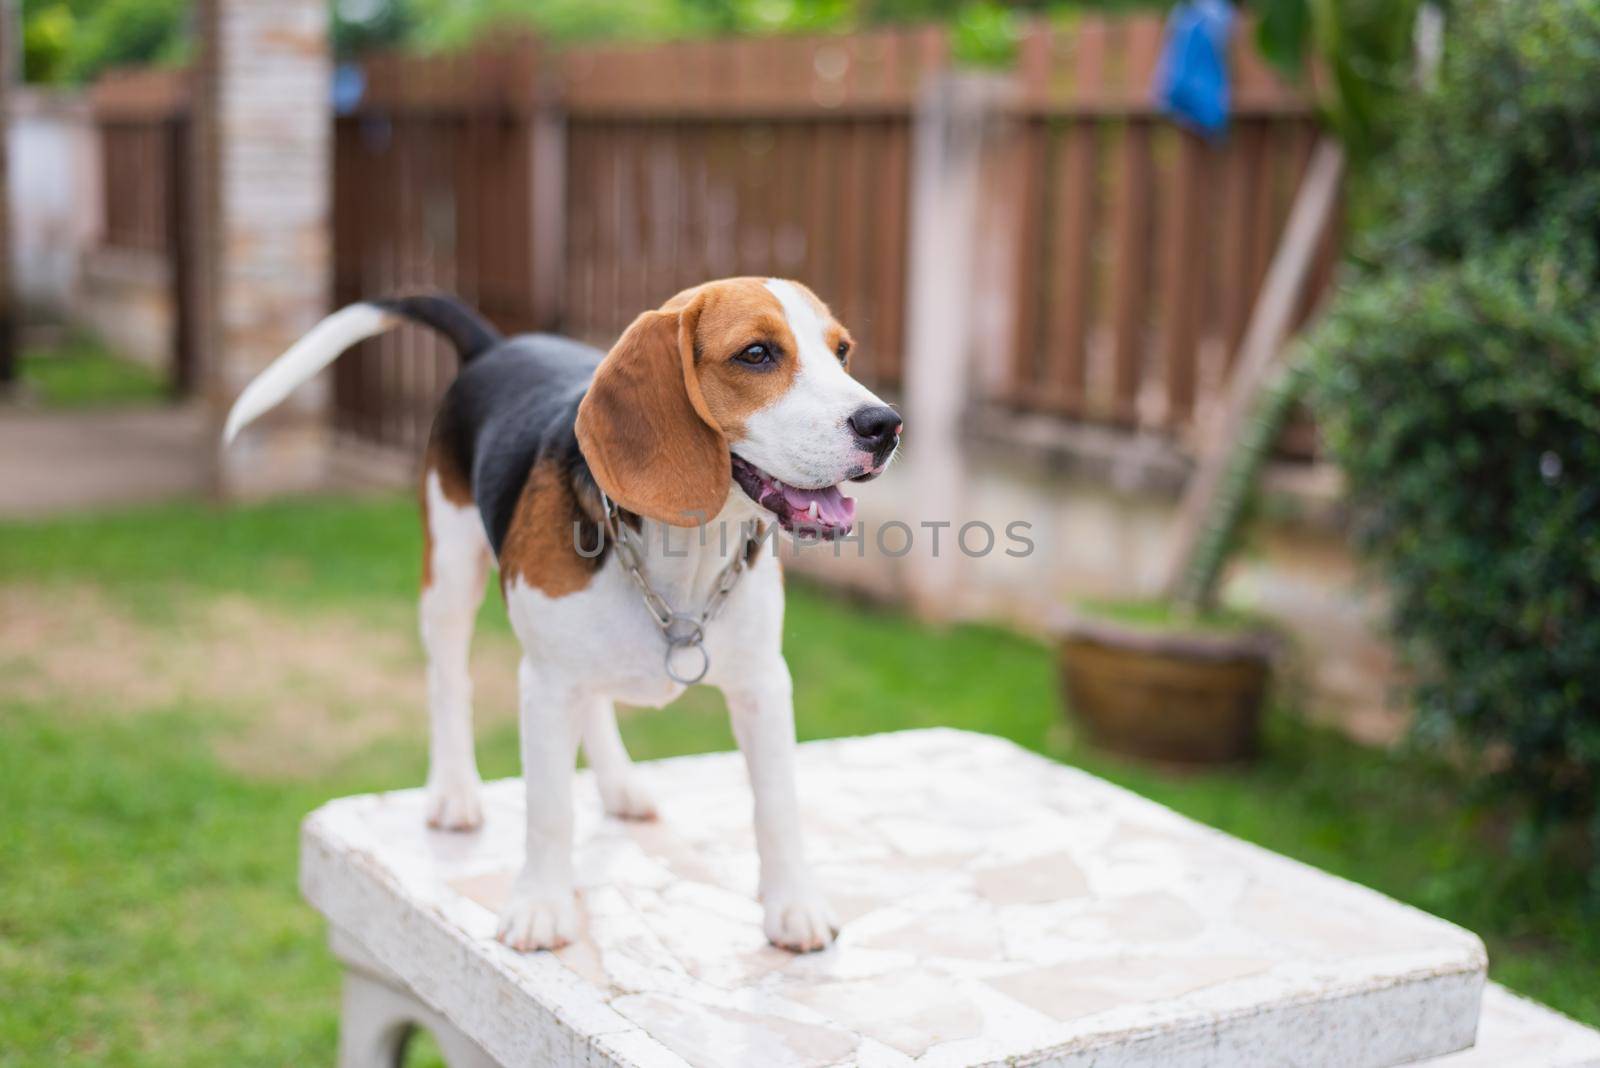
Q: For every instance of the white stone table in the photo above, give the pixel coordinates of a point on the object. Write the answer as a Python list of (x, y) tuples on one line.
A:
[(998, 909)]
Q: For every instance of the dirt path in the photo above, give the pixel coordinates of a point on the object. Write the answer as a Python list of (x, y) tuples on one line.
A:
[(63, 461)]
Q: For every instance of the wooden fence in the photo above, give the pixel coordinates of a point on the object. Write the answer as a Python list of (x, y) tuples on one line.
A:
[(434, 186), (1142, 245), (143, 119), (786, 157), (571, 190)]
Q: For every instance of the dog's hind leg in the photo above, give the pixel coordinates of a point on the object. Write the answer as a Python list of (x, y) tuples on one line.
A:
[(455, 568), (620, 789)]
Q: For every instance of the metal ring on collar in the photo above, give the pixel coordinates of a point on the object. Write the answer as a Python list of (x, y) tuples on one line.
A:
[(687, 679)]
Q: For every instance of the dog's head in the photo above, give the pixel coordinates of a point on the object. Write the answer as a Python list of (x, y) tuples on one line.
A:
[(745, 379)]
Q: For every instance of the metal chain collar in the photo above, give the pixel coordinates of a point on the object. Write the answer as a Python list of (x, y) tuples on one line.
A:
[(682, 630)]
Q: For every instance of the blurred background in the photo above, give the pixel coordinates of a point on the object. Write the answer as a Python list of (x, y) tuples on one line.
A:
[(1272, 325)]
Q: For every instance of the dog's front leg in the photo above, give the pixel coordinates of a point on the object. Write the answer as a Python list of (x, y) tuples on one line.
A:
[(541, 912), (797, 916)]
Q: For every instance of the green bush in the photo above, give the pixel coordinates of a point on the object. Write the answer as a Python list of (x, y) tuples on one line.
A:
[(1457, 381)]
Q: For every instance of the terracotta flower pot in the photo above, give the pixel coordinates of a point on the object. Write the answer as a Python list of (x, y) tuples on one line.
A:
[(1185, 696)]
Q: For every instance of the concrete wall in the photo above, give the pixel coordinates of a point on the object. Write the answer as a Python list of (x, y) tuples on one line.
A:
[(1093, 540), (55, 195)]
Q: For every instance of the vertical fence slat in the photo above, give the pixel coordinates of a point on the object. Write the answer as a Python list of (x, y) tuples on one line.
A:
[(1181, 277), (178, 246), (1239, 200), (818, 173), (1069, 306), (1030, 271), (1130, 284), (851, 223), (1033, 71), (889, 338)]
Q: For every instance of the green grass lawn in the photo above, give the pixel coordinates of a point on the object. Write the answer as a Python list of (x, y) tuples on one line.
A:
[(148, 906), (80, 372)]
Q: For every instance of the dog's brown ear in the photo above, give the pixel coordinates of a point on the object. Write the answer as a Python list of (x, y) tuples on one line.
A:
[(644, 429)]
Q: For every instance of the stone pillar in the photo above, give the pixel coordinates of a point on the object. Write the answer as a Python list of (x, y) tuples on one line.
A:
[(263, 233), (957, 116)]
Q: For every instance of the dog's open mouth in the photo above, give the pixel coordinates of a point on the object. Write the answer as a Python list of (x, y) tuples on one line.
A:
[(823, 513)]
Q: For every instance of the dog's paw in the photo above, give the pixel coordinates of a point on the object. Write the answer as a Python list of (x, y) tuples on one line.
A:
[(800, 922), (628, 800), (455, 806), (538, 921)]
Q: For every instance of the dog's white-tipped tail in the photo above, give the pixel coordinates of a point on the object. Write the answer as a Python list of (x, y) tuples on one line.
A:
[(320, 347)]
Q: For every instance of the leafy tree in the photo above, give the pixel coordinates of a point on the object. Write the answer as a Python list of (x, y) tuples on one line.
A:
[(46, 36), (74, 40)]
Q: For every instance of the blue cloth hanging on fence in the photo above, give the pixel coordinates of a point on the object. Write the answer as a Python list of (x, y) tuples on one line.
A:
[(349, 86), (1192, 77)]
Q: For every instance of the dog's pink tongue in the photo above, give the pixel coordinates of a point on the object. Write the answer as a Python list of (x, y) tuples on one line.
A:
[(834, 509)]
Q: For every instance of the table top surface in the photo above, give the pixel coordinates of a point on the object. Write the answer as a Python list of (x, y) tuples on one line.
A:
[(996, 906)]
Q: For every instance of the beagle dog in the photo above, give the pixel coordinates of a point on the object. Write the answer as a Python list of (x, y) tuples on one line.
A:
[(625, 498)]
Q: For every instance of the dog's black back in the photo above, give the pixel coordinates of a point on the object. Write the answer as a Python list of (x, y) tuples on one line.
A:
[(510, 408)]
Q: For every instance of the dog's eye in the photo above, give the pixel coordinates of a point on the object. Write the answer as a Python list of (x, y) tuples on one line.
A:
[(843, 350), (755, 355)]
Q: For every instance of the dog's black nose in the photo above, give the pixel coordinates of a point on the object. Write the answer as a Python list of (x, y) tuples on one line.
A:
[(877, 427)]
